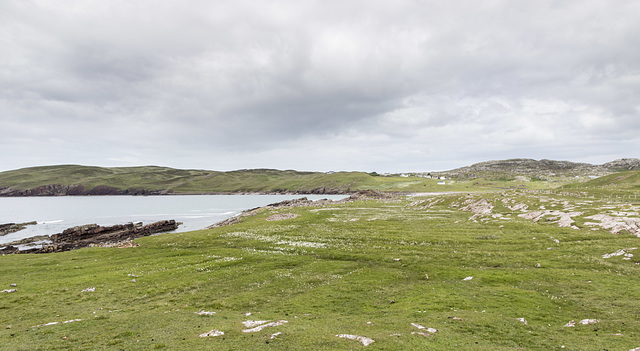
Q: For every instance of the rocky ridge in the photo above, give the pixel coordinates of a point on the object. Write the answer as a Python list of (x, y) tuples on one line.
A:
[(543, 168)]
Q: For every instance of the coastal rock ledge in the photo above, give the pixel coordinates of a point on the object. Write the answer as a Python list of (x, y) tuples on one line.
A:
[(95, 235), (76, 190)]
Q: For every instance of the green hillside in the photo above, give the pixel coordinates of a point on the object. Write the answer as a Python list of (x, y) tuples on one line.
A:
[(86, 180), (148, 177), (621, 184), (630, 179)]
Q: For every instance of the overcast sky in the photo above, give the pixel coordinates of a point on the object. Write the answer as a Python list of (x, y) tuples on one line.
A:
[(366, 85)]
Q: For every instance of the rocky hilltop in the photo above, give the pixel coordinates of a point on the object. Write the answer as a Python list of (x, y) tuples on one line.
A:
[(531, 167), (623, 164)]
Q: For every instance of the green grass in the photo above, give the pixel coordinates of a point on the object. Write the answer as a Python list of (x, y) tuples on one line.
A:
[(356, 268)]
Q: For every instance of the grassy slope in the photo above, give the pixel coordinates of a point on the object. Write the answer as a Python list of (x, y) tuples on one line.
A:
[(332, 271), (617, 184), (148, 177), (260, 180), (628, 180)]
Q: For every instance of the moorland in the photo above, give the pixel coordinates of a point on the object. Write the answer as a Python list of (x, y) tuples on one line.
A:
[(527, 259)]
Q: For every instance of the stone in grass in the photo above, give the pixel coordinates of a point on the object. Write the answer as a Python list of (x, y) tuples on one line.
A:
[(589, 321), (522, 320), (423, 334), (468, 278), (9, 291), (92, 289), (260, 327), (204, 313), (430, 330), (251, 324), (214, 332), (13, 285), (363, 339), (583, 322)]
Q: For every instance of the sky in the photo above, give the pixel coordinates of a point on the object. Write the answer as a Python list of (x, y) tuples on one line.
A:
[(385, 86)]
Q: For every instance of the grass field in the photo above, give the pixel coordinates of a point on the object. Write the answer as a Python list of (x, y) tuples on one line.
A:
[(366, 268)]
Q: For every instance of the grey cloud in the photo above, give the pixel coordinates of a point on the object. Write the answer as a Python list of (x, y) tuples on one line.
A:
[(222, 80)]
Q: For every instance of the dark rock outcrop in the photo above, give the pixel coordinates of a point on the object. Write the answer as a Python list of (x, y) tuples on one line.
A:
[(8, 250), (13, 227), (95, 235)]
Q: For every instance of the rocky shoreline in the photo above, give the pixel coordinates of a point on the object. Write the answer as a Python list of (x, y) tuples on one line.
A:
[(95, 235), (75, 190), (91, 235), (103, 190), (8, 228)]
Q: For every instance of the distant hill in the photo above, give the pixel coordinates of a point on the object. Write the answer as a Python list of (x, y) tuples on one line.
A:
[(542, 168), (153, 180)]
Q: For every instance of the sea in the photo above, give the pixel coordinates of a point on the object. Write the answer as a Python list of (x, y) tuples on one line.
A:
[(55, 214)]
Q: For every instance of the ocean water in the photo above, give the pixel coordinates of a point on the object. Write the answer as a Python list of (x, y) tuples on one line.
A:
[(55, 214)]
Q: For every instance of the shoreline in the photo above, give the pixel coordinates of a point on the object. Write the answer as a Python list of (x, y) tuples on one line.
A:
[(12, 195), (196, 211)]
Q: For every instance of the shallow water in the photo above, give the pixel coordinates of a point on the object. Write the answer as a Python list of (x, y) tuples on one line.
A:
[(55, 214)]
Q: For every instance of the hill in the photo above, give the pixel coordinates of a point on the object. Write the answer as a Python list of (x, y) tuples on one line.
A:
[(151, 180), (154, 180), (541, 169)]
